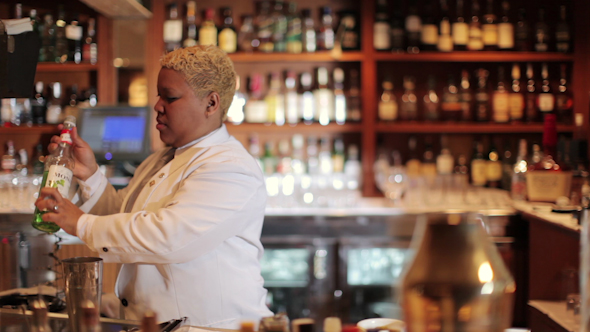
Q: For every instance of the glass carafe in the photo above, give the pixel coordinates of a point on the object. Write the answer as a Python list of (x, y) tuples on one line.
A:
[(457, 280)]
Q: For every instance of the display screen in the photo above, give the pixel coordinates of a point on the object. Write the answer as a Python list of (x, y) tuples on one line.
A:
[(116, 133), (285, 267), (375, 266)]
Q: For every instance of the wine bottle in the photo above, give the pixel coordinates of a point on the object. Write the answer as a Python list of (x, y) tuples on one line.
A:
[(409, 104), (482, 107), (58, 173)]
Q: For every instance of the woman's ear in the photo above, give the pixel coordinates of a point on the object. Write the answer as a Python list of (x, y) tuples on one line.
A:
[(212, 104)]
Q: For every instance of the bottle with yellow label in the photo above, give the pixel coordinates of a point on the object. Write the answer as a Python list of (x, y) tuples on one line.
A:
[(227, 36)]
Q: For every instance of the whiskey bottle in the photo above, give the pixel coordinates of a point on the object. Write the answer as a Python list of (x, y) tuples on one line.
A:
[(562, 32), (172, 28), (505, 29), (275, 100), (191, 24), (482, 98), (493, 167), (307, 101), (413, 26), (451, 102), (354, 99), (475, 42), (388, 108), (381, 27), (326, 35), (90, 49), (490, 28), (208, 30), (58, 173), (478, 166), (431, 101), (398, 34), (256, 109), (466, 97), (247, 40), (228, 40), (264, 26), (563, 99), (279, 27), (74, 34), (518, 186), (516, 98), (294, 29), (308, 35), (324, 98), (409, 102), (541, 33), (445, 41), (429, 37), (522, 33), (532, 110), (500, 100), (413, 165), (460, 29), (545, 98)]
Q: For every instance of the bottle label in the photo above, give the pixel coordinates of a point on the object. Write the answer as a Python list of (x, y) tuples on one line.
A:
[(478, 172), (208, 36), (413, 23), (65, 136), (381, 38), (227, 40), (429, 34), (516, 101), (74, 32), (494, 171), (501, 107), (475, 43), (546, 102), (256, 111), (445, 43), (9, 164), (505, 36), (59, 177), (547, 186), (490, 34), (172, 31), (388, 111), (460, 33)]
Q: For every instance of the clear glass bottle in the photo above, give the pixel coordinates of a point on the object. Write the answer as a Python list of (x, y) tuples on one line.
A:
[(172, 28), (409, 101), (431, 101), (501, 100), (381, 27), (264, 27), (489, 28), (340, 108), (291, 98), (516, 97), (247, 39), (294, 29), (562, 32), (324, 98), (54, 111), (387, 107), (308, 36), (475, 42), (505, 29), (460, 29), (326, 35), (235, 113), (541, 32), (279, 31), (208, 30), (307, 101), (58, 173)]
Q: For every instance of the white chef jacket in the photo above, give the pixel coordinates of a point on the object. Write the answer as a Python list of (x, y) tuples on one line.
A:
[(191, 244)]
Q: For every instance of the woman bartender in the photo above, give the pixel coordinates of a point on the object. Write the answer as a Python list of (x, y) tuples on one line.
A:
[(187, 232)]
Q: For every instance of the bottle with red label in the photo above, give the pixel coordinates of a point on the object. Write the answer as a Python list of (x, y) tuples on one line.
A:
[(58, 173)]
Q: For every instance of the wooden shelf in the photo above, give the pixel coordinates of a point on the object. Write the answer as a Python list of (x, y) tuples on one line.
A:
[(467, 56), (24, 130), (465, 128), (314, 128), (47, 67), (323, 56), (119, 9)]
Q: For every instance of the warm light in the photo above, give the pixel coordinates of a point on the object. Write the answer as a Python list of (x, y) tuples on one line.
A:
[(272, 186), (308, 198), (485, 273), (487, 288), (288, 185)]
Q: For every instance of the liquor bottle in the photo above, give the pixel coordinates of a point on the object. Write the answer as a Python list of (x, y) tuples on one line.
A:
[(452, 109), (58, 173), (501, 100), (522, 33), (326, 35), (235, 113), (38, 105), (284, 159), (505, 29), (387, 108), (428, 167), (264, 27), (353, 168), (294, 29), (545, 98), (409, 102), (297, 161), (340, 108), (256, 109), (354, 99), (478, 166), (461, 168), (9, 158), (541, 33), (269, 159), (325, 156), (381, 27), (465, 97), (398, 33), (338, 155), (532, 110), (475, 42), (191, 24), (413, 26), (313, 164), (47, 39), (35, 21), (413, 165), (90, 49), (431, 101), (61, 42), (493, 167), (516, 98), (429, 37), (350, 36), (562, 32), (307, 101), (460, 29), (291, 98), (445, 162), (308, 36), (254, 149), (247, 39), (71, 108), (518, 186), (54, 110), (445, 41), (563, 100), (172, 28), (490, 28), (279, 30), (324, 98), (74, 34), (227, 36), (482, 98), (40, 321), (18, 11), (208, 30), (275, 100)]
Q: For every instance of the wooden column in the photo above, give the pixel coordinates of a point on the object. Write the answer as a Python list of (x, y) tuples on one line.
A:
[(154, 47), (107, 74)]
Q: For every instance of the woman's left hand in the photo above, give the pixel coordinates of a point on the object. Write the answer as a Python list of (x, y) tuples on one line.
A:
[(59, 210)]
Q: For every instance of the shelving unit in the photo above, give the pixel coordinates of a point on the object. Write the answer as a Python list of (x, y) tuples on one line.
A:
[(50, 67), (370, 61), (34, 130)]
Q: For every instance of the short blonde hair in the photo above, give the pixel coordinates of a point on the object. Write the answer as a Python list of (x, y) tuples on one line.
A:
[(206, 69)]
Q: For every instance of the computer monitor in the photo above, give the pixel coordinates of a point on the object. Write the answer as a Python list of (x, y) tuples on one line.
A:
[(116, 133)]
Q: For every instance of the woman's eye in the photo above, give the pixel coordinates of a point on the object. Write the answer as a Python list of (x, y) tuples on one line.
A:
[(171, 99)]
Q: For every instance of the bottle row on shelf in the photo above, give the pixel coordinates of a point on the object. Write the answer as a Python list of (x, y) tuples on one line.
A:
[(461, 99), (435, 27), (48, 105), (62, 41), (277, 26)]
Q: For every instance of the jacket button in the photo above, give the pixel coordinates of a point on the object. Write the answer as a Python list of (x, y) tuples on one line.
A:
[(105, 249), (161, 175), (124, 302)]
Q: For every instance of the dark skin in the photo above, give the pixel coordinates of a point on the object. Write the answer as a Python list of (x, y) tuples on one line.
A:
[(182, 117)]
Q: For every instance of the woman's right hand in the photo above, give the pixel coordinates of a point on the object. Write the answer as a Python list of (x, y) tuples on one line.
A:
[(85, 162)]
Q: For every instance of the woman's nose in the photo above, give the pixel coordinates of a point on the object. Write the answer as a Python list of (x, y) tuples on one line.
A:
[(158, 107)]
